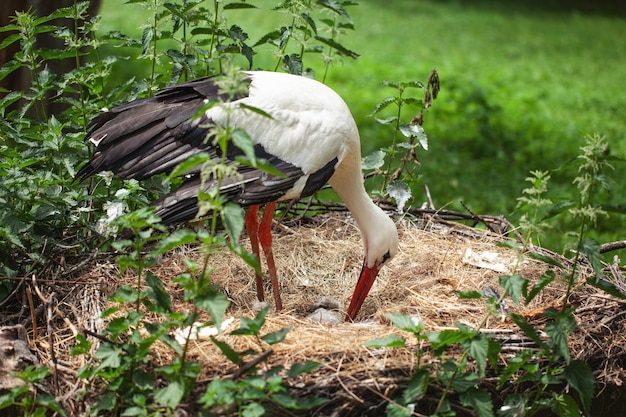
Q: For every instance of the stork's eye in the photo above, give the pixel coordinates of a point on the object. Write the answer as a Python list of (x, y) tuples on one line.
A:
[(386, 257)]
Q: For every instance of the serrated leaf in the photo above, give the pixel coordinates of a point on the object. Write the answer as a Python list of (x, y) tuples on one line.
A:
[(146, 39), (478, 347), (415, 131), (559, 330), (399, 191), (382, 105), (336, 7), (342, 50), (234, 6), (374, 160), (515, 285), (391, 341), (300, 368)]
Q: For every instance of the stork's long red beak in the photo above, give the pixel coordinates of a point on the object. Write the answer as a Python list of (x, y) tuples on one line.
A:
[(363, 286)]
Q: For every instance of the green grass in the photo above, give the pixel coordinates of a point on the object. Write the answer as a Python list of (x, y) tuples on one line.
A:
[(520, 88)]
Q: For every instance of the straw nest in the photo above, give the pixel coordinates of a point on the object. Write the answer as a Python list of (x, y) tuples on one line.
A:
[(321, 258)]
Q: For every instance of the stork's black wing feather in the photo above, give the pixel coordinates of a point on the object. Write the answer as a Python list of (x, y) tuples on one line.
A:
[(151, 136)]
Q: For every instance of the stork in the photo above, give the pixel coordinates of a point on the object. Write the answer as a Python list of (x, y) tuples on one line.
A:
[(311, 138)]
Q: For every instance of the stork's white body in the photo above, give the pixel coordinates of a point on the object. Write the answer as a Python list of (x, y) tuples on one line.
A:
[(310, 136)]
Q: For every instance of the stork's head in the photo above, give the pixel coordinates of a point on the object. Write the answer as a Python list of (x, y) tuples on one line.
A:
[(381, 245)]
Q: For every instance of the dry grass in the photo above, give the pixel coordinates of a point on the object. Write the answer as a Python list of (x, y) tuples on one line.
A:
[(437, 260)]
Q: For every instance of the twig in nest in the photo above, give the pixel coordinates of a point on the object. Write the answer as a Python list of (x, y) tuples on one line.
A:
[(251, 364), (47, 302), (608, 247), (428, 196), (98, 336)]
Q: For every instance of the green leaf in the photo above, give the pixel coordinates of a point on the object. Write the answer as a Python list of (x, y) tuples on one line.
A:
[(374, 160), (177, 238), (293, 62), (276, 337), (462, 382), (559, 330), (515, 285), (189, 164), (159, 293), (106, 401), (228, 351), (544, 280), (383, 104), (416, 389), (396, 410), (613, 208), (336, 7), (251, 327), (82, 346), (477, 347), (415, 131), (387, 341), (546, 259), (253, 410), (559, 208), (215, 303), (109, 355), (591, 249), (300, 368), (513, 365), (399, 191), (564, 405), (528, 329), (243, 141), (441, 340), (233, 6), (406, 323), (233, 218), (580, 376), (479, 400), (342, 50), (468, 295), (171, 395)]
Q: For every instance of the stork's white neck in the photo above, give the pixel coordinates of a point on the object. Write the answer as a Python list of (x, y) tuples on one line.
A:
[(380, 236)]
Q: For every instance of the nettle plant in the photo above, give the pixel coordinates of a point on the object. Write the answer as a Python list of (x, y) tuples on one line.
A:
[(398, 163), (547, 377)]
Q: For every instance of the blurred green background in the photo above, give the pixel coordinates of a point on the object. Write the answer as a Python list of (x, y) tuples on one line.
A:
[(521, 85)]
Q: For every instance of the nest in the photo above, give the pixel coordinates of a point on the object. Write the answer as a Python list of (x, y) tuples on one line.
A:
[(322, 257)]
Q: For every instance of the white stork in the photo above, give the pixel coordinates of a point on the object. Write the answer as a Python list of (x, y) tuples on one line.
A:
[(311, 138)]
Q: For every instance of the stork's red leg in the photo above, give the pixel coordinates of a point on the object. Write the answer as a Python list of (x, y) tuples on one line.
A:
[(252, 224), (265, 236)]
